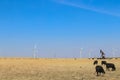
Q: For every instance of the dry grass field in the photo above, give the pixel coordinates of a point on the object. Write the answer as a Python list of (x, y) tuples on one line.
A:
[(54, 69)]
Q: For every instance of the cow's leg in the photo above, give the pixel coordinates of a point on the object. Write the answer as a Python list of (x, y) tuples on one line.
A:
[(113, 69), (97, 74), (106, 69)]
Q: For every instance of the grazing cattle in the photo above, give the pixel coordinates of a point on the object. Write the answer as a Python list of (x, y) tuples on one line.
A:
[(110, 65), (99, 69), (103, 62), (95, 62)]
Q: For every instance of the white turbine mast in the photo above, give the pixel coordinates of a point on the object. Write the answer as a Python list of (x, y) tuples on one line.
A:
[(81, 52), (54, 54), (113, 52), (35, 51), (90, 53)]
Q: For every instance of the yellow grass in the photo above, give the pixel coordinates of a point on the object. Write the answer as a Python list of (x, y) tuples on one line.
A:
[(53, 69)]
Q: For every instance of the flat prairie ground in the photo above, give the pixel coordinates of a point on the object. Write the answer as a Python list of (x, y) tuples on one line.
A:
[(54, 69)]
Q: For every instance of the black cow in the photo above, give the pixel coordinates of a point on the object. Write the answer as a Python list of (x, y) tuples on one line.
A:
[(110, 65), (99, 69), (103, 62), (95, 62)]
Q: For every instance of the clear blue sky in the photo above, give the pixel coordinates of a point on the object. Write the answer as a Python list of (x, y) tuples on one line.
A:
[(59, 27)]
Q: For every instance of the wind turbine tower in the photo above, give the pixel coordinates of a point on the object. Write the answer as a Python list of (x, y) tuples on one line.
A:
[(90, 53), (81, 52), (35, 51), (113, 52)]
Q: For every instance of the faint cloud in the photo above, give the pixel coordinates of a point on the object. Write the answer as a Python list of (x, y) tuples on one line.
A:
[(87, 7)]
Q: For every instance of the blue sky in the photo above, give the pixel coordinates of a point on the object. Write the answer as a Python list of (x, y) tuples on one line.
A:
[(59, 27)]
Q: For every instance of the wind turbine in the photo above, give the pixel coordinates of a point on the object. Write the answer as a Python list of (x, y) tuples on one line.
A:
[(90, 53), (54, 54), (113, 52), (35, 51), (81, 52)]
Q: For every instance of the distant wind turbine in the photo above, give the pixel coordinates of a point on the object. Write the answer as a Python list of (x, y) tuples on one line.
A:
[(113, 52), (81, 52), (90, 53), (35, 51)]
